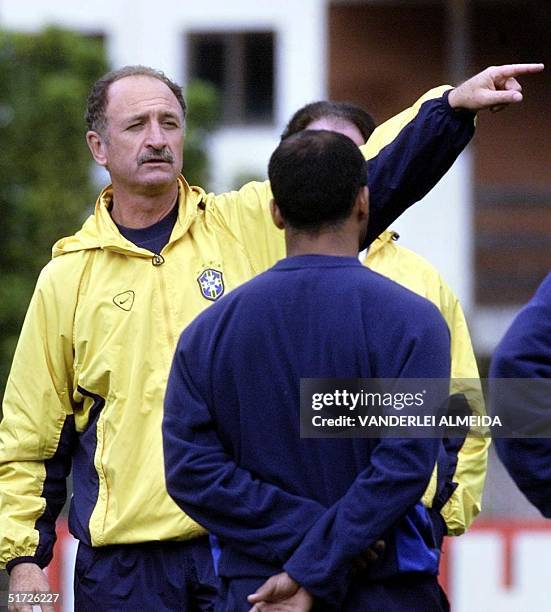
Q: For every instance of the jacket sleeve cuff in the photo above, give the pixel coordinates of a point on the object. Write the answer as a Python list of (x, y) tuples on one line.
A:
[(465, 112), (13, 562), (330, 590)]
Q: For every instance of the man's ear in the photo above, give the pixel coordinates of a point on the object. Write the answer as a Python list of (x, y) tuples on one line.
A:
[(362, 204), (96, 144), (277, 217)]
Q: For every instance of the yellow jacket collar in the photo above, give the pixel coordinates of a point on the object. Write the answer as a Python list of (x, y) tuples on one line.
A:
[(99, 230)]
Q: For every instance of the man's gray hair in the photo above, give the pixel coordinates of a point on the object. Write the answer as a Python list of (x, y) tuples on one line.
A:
[(97, 100)]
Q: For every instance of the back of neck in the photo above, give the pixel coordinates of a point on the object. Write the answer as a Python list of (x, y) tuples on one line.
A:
[(339, 244)]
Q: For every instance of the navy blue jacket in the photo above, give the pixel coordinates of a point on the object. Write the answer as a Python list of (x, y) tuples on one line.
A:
[(234, 459), (525, 352)]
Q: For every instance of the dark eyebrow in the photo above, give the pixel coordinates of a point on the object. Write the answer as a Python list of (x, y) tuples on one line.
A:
[(134, 118), (171, 115), (144, 116)]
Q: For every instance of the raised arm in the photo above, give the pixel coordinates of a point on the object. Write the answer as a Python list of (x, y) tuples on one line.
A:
[(407, 155), (411, 152)]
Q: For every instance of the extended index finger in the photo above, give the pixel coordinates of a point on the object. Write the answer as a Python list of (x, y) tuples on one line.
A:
[(513, 70)]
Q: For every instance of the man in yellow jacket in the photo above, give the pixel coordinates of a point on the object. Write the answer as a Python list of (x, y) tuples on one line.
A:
[(89, 373)]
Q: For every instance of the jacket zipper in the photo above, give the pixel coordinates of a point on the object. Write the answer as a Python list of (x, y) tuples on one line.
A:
[(158, 261)]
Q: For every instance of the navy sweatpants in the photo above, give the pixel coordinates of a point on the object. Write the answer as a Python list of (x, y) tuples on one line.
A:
[(406, 593), (157, 576)]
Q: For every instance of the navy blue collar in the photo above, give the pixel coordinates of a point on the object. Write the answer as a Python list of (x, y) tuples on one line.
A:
[(154, 237), (315, 261)]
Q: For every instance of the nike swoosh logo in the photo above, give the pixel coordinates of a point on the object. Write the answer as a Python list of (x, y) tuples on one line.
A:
[(124, 300)]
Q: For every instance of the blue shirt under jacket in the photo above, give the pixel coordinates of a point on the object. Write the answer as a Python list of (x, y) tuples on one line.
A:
[(234, 459)]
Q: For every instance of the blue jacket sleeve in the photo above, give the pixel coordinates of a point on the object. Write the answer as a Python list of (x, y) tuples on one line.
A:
[(262, 520), (525, 353), (411, 164), (398, 474)]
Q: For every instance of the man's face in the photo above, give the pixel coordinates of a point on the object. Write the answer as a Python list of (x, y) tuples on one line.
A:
[(143, 142)]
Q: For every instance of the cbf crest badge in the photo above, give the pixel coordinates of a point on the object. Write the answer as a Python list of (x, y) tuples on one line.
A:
[(211, 283)]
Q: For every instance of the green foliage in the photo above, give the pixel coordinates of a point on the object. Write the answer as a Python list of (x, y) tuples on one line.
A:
[(246, 176), (45, 185), (203, 112)]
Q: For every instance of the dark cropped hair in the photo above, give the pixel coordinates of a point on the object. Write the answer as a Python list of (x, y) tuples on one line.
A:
[(338, 110), (97, 100), (315, 177)]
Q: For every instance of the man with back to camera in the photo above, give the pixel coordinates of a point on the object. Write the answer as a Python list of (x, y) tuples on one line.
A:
[(104, 319), (455, 493), (234, 458)]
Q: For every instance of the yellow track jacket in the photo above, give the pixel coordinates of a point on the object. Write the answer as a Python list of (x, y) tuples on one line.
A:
[(88, 377), (456, 486)]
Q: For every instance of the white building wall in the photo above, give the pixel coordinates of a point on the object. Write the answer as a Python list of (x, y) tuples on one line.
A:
[(440, 228)]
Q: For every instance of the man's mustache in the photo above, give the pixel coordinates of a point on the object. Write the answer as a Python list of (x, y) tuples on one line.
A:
[(156, 155)]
